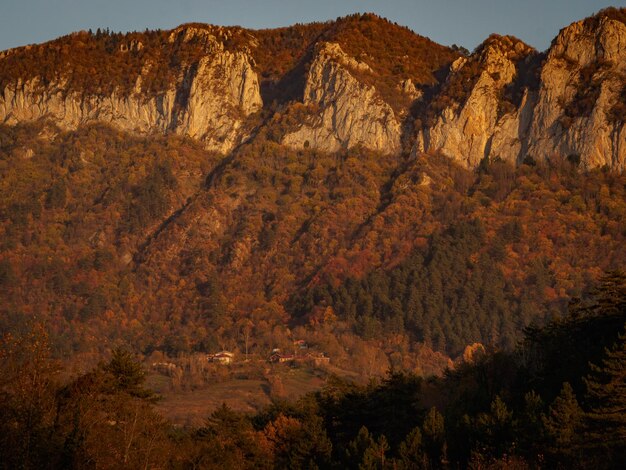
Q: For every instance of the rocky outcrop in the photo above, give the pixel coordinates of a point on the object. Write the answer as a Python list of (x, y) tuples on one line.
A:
[(349, 113), (209, 100), (476, 128), (504, 101), (409, 89), (568, 115), (223, 89), (29, 101), (581, 81)]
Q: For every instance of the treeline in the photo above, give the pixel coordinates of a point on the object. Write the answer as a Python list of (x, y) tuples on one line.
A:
[(444, 295), (557, 401)]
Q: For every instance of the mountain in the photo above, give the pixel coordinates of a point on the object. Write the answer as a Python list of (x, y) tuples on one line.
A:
[(359, 81), (510, 102), (204, 81), (350, 183)]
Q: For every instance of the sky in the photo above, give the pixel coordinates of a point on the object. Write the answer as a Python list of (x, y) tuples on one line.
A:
[(463, 22)]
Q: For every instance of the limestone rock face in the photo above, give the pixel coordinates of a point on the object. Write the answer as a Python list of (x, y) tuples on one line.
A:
[(475, 129), (208, 101), (29, 101), (504, 101), (569, 113), (598, 53), (349, 113), (223, 88)]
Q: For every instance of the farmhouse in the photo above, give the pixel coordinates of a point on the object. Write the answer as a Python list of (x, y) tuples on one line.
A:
[(279, 358), (222, 357), (319, 359)]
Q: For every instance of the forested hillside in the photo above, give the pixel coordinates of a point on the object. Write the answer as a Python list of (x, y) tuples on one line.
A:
[(556, 401), (381, 251), (112, 239)]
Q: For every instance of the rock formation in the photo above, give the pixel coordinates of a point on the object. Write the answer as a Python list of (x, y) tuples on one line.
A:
[(581, 81), (208, 102), (569, 115), (475, 129), (350, 113), (505, 101)]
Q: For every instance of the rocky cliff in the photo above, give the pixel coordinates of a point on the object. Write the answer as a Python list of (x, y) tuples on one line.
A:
[(475, 127), (581, 82), (572, 112), (349, 113), (342, 84), (208, 100)]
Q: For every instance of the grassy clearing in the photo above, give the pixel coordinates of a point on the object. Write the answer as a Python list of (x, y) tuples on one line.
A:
[(191, 407)]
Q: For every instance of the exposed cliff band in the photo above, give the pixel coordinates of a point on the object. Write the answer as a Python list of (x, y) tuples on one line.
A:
[(349, 113), (505, 101), (209, 100), (569, 115)]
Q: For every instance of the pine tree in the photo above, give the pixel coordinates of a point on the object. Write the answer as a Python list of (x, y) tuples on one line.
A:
[(606, 396), (563, 421), (126, 374), (357, 447), (411, 454), (501, 425), (434, 436), (530, 429), (374, 455)]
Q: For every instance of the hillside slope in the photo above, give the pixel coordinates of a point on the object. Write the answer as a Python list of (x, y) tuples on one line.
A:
[(213, 188)]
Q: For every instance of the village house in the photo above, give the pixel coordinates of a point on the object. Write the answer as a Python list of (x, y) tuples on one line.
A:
[(222, 357), (319, 359), (277, 357)]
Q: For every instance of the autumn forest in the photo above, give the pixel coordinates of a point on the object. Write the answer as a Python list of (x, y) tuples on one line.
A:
[(164, 304)]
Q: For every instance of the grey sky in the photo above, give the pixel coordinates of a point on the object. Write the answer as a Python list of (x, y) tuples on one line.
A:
[(462, 22)]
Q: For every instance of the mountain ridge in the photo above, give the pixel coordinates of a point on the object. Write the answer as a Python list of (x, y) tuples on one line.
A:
[(244, 218), (481, 106)]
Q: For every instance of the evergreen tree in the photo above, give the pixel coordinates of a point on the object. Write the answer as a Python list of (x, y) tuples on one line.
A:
[(358, 447), (606, 396), (530, 425), (411, 453), (563, 422), (496, 427), (374, 456), (125, 374), (434, 436)]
